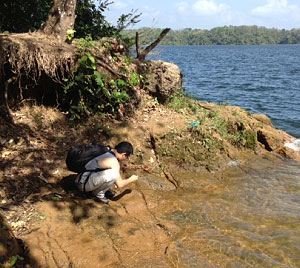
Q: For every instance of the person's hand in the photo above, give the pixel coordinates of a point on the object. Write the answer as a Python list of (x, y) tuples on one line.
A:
[(134, 178), (123, 166)]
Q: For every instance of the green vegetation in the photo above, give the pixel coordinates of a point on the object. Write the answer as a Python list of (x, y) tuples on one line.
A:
[(236, 133), (227, 35), (101, 79), (20, 16), (90, 91), (179, 101), (207, 134), (70, 35), (90, 20)]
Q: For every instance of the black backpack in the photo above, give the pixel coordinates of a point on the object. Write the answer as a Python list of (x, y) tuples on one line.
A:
[(79, 156)]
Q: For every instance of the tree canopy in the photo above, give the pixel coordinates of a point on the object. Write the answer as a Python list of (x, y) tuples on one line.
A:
[(227, 35), (21, 16)]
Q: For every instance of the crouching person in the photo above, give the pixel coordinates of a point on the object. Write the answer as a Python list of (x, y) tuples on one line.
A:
[(103, 171)]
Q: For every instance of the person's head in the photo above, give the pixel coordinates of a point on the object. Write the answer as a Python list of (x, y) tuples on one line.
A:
[(124, 149)]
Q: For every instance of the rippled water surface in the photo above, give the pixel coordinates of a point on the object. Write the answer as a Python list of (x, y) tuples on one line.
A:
[(260, 79), (251, 221)]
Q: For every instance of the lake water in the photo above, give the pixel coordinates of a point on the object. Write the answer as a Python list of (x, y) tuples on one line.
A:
[(246, 219), (260, 79), (253, 220)]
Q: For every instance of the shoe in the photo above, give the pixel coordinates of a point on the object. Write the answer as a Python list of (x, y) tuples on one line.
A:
[(102, 200), (110, 194), (88, 195)]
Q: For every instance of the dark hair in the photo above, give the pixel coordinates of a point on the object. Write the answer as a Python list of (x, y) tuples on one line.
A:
[(124, 147)]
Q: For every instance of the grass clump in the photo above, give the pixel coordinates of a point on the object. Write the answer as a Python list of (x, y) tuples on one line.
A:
[(235, 132), (208, 133), (193, 147), (180, 101)]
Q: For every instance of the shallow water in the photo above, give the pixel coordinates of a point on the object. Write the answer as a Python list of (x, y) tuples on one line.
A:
[(254, 221)]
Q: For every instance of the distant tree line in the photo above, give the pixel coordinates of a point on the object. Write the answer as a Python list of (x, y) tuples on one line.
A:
[(227, 35)]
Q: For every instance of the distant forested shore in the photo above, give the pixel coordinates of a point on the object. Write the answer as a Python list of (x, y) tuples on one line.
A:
[(227, 35)]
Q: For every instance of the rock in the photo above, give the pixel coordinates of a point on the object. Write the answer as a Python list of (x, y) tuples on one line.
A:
[(269, 139), (116, 46), (152, 182), (263, 118), (275, 140), (164, 81)]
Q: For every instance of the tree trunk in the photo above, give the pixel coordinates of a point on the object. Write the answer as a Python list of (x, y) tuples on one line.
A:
[(137, 45), (61, 18)]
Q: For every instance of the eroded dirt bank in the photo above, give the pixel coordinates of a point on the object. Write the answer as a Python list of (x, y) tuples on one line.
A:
[(178, 151)]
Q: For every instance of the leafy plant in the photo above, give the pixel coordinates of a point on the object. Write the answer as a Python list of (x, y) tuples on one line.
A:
[(127, 60), (240, 136), (91, 92), (134, 79), (70, 35), (234, 132), (86, 42), (121, 83), (155, 100), (13, 261), (20, 16)]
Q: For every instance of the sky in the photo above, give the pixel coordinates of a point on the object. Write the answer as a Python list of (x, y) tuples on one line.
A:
[(207, 14)]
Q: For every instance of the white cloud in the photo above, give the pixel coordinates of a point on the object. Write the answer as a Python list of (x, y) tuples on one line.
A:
[(278, 14), (210, 8), (182, 6), (276, 7)]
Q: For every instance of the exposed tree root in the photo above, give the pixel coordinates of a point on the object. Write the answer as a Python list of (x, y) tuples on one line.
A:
[(34, 54)]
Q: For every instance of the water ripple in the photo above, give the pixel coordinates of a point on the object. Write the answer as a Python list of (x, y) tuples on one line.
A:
[(253, 222)]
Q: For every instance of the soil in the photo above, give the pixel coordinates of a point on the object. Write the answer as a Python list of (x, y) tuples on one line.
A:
[(47, 222)]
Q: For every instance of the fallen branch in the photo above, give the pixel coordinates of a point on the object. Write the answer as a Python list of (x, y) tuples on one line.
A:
[(142, 55), (103, 64)]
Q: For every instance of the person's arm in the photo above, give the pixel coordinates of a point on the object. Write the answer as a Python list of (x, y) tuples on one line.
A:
[(121, 183), (114, 164)]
